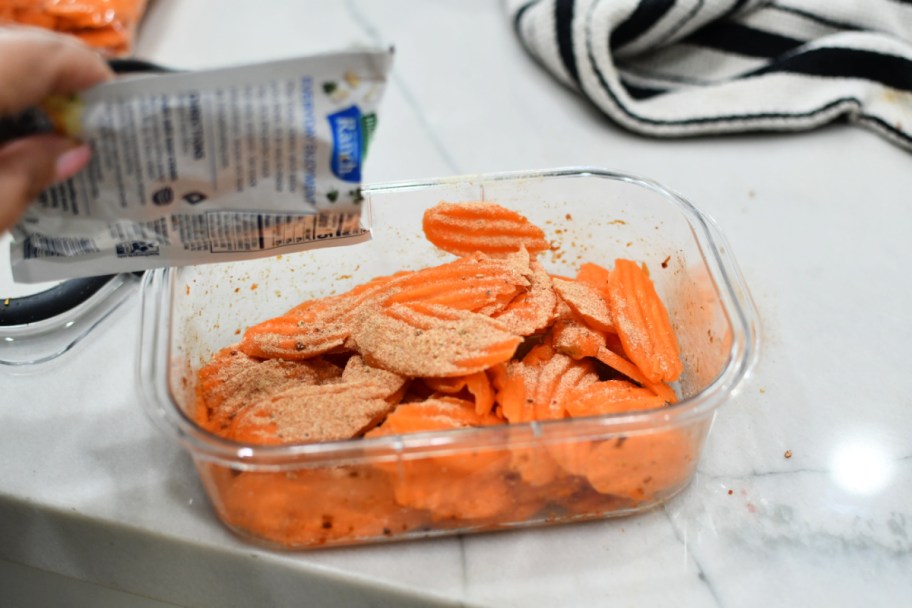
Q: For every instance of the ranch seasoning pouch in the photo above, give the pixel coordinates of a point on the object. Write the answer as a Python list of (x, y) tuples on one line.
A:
[(208, 166)]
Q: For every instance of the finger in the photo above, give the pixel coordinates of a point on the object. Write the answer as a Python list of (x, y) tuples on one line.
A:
[(43, 63), (28, 166)]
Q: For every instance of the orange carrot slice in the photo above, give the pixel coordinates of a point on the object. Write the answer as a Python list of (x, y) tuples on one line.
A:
[(466, 484), (380, 382), (316, 327), (231, 381), (308, 506), (466, 228), (597, 277), (534, 389), (449, 386), (643, 323), (534, 464), (610, 397), (477, 385), (431, 415), (576, 339), (306, 413), (511, 391), (586, 301), (642, 467), (619, 363), (293, 338), (474, 283), (532, 310), (480, 387), (451, 494), (429, 340)]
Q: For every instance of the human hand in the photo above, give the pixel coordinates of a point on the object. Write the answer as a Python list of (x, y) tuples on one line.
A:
[(34, 64)]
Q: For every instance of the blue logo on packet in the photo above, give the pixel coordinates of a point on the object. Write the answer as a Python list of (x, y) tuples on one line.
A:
[(347, 152)]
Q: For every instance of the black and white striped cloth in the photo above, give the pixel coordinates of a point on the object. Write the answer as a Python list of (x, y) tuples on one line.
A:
[(673, 68)]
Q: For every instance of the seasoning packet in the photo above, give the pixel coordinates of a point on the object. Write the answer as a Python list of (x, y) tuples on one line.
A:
[(209, 166)]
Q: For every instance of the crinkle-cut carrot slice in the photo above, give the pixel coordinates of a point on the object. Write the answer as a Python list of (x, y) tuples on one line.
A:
[(231, 381), (477, 385), (642, 467), (534, 464), (586, 301), (613, 343), (619, 363), (449, 386), (497, 374), (448, 494), (434, 414), (439, 414), (465, 228), (475, 283), (610, 397), (480, 387), (511, 391), (572, 455), (293, 337), (534, 309), (306, 413), (388, 384), (462, 483), (643, 323), (560, 375), (595, 276), (429, 340), (318, 326), (309, 506), (575, 339), (535, 387)]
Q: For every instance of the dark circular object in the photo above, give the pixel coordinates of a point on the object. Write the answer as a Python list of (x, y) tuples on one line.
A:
[(49, 303)]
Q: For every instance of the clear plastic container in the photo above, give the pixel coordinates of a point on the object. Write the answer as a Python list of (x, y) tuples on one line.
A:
[(41, 321), (433, 483)]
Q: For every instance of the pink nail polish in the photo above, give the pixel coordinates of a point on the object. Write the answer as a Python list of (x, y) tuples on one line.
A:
[(71, 162)]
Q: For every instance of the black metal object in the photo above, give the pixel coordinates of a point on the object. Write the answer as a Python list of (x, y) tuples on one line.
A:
[(51, 302), (134, 66)]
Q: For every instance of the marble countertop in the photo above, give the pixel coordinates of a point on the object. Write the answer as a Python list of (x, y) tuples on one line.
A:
[(818, 222)]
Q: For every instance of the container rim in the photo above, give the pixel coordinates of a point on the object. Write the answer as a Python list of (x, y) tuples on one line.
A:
[(152, 374)]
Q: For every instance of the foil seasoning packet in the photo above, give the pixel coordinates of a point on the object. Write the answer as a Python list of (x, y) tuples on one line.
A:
[(209, 166)]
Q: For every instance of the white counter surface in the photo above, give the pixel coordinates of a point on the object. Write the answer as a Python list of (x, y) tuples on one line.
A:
[(820, 224)]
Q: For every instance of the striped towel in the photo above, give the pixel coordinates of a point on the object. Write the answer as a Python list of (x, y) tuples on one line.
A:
[(673, 68)]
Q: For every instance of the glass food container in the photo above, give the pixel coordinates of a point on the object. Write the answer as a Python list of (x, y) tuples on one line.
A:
[(41, 321), (474, 479)]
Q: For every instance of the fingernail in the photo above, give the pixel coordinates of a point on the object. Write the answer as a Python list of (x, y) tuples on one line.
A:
[(71, 162)]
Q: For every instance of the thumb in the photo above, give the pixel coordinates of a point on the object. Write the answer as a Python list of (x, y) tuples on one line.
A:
[(30, 165)]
